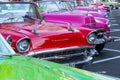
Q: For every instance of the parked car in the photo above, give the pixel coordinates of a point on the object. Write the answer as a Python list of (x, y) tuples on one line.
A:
[(17, 67), (117, 5), (100, 8), (94, 10), (60, 13), (56, 41)]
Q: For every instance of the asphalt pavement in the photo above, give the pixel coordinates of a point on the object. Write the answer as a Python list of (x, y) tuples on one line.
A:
[(109, 61)]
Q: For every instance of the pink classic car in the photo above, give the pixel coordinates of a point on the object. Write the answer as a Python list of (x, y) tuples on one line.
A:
[(59, 13), (95, 13), (57, 41), (96, 10), (100, 6)]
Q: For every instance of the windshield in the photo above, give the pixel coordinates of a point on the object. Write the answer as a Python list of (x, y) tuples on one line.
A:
[(5, 48), (52, 6), (15, 12)]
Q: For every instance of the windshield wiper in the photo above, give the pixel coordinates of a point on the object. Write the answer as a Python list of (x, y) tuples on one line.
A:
[(31, 18)]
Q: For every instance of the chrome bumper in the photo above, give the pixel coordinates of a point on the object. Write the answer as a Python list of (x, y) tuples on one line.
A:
[(71, 56), (106, 38), (88, 61)]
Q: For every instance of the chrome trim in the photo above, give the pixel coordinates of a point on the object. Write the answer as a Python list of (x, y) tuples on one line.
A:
[(9, 36), (88, 60), (88, 37), (100, 41), (86, 55), (57, 50), (98, 29), (19, 41), (63, 56), (70, 28), (94, 31)]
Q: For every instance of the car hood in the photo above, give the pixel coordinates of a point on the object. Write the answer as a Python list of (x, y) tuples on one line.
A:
[(48, 35), (35, 69), (87, 8), (27, 28), (18, 28)]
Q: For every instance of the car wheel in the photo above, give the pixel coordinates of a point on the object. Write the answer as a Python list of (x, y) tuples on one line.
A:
[(99, 47)]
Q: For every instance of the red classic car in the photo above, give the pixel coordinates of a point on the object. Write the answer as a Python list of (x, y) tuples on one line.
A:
[(10, 63), (57, 41)]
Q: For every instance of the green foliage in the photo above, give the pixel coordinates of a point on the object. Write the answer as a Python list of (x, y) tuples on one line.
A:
[(40, 9), (109, 3)]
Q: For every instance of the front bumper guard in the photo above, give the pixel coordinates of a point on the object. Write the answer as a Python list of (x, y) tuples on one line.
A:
[(88, 61), (106, 38), (87, 56)]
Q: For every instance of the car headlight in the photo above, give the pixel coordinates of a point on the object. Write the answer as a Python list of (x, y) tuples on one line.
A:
[(23, 45), (91, 38), (9, 40), (108, 24)]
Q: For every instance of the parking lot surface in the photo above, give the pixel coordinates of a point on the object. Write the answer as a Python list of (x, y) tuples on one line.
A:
[(109, 61)]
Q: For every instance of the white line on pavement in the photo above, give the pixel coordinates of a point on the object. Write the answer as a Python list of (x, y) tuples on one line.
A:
[(115, 30), (111, 18), (116, 40), (113, 21), (115, 37), (115, 24), (111, 50), (104, 60)]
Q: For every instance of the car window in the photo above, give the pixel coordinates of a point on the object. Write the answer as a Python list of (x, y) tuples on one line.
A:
[(3, 48), (49, 6), (15, 12)]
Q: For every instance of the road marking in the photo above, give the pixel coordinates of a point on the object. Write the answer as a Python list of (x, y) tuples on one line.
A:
[(111, 18), (116, 36), (115, 30), (117, 40), (114, 24), (107, 59), (104, 60), (113, 21), (111, 50)]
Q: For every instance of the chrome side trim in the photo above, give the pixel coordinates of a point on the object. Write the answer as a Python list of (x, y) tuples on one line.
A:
[(7, 39), (57, 50), (63, 56), (102, 40)]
